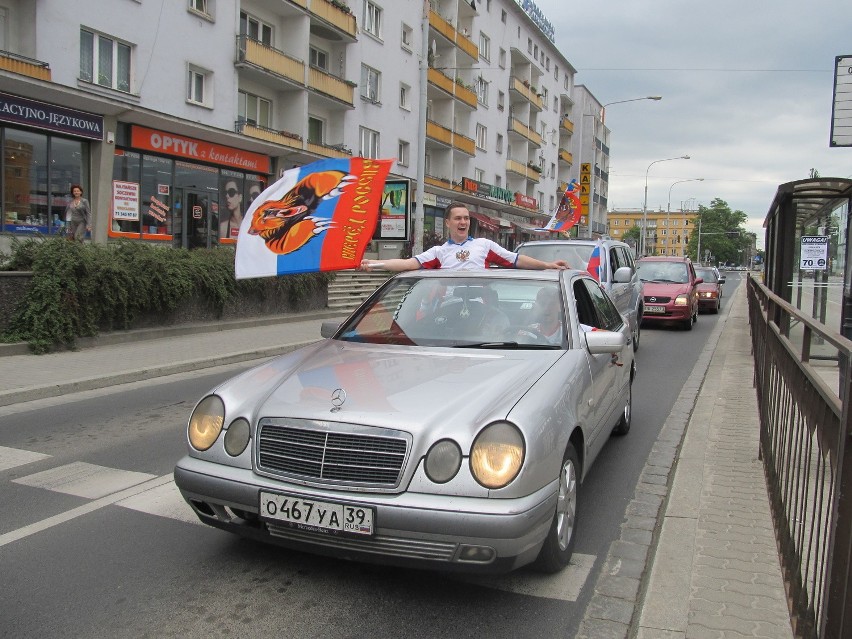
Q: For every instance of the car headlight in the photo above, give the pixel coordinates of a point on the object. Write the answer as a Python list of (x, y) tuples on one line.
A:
[(443, 461), (206, 422), (681, 300), (497, 455), (237, 437)]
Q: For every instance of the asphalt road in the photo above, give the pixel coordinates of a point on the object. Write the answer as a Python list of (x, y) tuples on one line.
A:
[(95, 542)]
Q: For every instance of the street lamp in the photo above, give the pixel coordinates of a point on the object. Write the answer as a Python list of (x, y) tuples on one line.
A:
[(645, 205), (656, 98), (669, 207)]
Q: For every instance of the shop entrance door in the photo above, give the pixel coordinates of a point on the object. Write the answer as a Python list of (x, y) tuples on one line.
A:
[(193, 218)]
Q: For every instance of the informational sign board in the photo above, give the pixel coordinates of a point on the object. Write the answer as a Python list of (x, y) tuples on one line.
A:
[(814, 254), (125, 200), (841, 107)]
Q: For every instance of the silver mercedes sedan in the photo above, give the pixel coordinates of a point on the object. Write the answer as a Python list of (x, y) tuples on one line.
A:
[(448, 423)]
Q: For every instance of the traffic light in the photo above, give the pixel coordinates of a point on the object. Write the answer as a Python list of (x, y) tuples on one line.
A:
[(732, 234)]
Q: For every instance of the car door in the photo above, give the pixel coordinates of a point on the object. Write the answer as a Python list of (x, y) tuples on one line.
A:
[(595, 309)]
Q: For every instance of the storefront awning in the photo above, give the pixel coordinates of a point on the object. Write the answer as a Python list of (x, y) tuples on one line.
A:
[(488, 223)]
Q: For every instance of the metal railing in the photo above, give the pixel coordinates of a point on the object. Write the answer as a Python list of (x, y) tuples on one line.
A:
[(804, 429)]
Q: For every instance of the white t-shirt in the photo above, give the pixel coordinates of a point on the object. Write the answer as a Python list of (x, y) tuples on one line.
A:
[(472, 254)]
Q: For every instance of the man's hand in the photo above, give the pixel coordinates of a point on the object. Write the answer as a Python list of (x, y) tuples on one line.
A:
[(560, 265)]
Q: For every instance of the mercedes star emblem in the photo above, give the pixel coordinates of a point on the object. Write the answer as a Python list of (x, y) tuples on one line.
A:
[(338, 397)]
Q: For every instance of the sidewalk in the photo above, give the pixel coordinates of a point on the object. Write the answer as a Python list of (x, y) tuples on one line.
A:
[(697, 556)]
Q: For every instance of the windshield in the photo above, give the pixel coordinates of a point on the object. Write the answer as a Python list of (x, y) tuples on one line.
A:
[(577, 255), (651, 271), (706, 274), (462, 312)]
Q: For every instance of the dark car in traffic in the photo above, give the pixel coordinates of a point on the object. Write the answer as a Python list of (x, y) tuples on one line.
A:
[(710, 290), (670, 290)]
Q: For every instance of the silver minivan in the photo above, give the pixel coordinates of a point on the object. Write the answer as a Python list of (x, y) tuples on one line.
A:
[(618, 275)]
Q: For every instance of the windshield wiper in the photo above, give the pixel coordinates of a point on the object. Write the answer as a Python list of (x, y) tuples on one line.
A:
[(511, 345)]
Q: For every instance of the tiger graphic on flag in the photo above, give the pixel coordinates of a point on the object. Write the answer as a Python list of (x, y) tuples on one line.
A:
[(287, 224)]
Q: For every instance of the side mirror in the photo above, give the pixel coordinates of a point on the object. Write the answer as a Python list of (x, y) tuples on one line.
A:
[(622, 275), (722, 280), (605, 341), (328, 329), (699, 280)]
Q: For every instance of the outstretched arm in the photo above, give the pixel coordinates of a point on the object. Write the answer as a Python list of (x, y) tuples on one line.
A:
[(525, 261), (396, 265)]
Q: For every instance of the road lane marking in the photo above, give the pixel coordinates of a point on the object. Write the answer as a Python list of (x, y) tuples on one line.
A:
[(85, 509), (564, 586), (13, 457), (84, 480), (162, 501)]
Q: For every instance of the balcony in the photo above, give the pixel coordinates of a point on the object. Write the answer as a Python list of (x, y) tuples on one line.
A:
[(439, 133), (453, 87), (24, 66), (341, 19), (254, 54), (329, 150), (566, 156), (464, 144), (523, 170), (463, 43), (518, 127), (284, 138), (566, 125), (522, 88), (331, 86), (440, 182)]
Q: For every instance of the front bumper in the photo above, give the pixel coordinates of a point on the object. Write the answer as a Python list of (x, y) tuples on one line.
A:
[(412, 529), (672, 314)]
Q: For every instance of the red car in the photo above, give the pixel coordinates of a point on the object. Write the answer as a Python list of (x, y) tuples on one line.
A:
[(710, 290), (670, 290)]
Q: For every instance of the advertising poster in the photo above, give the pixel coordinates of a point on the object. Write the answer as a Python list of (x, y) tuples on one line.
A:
[(393, 212), (125, 200)]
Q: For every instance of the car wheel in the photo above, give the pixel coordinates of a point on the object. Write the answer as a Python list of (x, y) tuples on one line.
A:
[(559, 543), (687, 324), (717, 307), (623, 425)]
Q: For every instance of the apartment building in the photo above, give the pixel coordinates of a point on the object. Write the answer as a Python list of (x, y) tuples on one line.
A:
[(667, 232), (173, 115)]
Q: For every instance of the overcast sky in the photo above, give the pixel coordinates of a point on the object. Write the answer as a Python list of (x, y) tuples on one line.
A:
[(747, 93)]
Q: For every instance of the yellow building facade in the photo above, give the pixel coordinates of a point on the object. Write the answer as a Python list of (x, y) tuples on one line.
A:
[(668, 232)]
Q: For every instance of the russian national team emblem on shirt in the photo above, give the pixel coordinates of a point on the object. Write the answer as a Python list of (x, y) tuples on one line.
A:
[(318, 217)]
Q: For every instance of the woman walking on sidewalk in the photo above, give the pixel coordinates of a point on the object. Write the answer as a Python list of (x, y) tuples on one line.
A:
[(78, 214)]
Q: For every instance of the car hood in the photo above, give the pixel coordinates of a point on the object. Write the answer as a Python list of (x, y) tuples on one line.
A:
[(664, 289), (400, 387), (708, 286)]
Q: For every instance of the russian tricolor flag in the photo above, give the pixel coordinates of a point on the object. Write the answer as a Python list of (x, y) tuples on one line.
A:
[(594, 267)]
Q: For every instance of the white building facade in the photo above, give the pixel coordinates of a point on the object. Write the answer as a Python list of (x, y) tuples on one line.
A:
[(173, 115)]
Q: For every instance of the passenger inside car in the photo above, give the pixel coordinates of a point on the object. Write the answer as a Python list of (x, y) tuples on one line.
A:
[(547, 312)]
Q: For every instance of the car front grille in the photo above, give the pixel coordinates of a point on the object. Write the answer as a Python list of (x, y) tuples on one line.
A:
[(657, 299), (314, 454)]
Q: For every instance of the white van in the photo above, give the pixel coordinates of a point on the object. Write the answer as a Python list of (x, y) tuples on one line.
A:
[(618, 275)]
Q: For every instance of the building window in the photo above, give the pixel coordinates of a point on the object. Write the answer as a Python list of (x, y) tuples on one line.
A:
[(479, 175), (370, 83), (204, 7), (499, 143), (615, 222), (503, 16), (484, 47), (556, 72), (373, 19), (481, 136), (547, 63), (254, 110), (498, 180), (405, 96), (316, 130), (369, 143), (501, 100), (407, 37), (319, 59), (529, 44), (544, 96), (403, 152), (105, 61), (502, 58), (197, 85), (255, 29), (482, 91)]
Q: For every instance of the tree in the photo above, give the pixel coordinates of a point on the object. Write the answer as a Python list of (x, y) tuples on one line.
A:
[(722, 230), (632, 236)]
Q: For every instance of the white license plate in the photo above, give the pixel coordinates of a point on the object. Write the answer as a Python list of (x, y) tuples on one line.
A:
[(312, 514), (655, 309)]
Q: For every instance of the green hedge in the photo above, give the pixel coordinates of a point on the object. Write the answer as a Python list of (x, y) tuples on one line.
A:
[(80, 288)]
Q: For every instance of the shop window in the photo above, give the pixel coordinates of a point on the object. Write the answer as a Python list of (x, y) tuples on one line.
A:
[(105, 61), (369, 143), (254, 110), (198, 89), (126, 168)]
